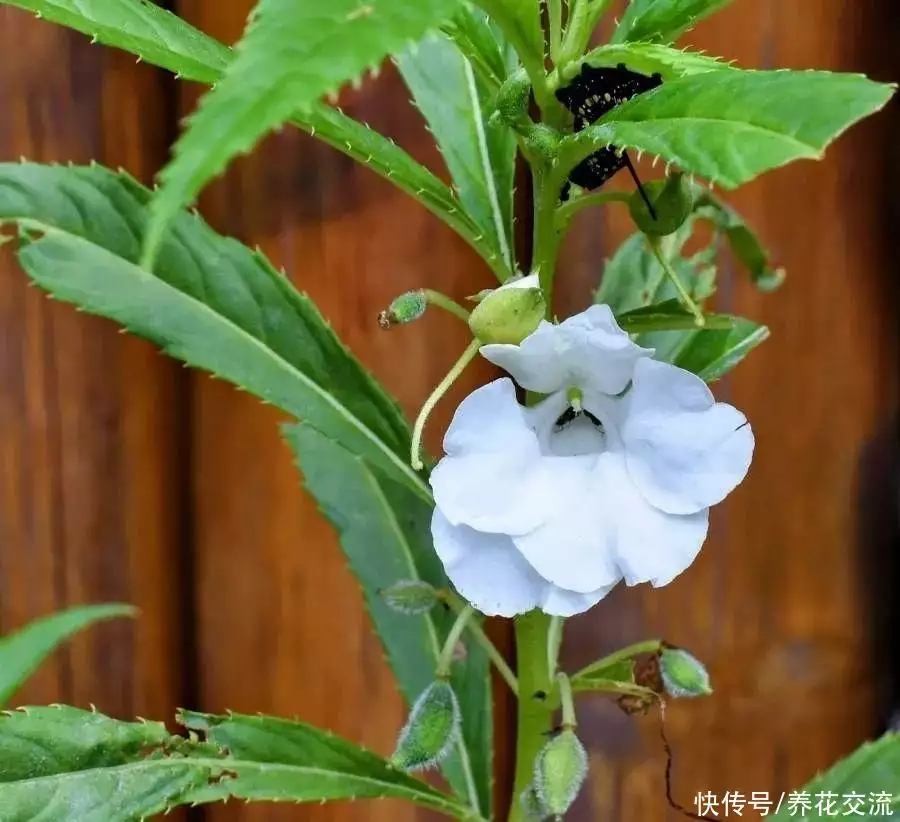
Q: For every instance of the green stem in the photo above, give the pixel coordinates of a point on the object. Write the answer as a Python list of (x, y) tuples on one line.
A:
[(443, 301), (578, 17), (569, 721), (684, 297), (650, 646), (567, 211), (547, 236), (415, 452), (554, 642), (445, 660), (535, 717), (554, 16), (485, 642)]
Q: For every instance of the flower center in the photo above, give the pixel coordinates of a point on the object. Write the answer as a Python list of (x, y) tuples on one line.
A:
[(577, 432)]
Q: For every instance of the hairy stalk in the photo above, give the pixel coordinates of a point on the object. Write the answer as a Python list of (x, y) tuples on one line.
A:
[(443, 301), (683, 296), (650, 646)]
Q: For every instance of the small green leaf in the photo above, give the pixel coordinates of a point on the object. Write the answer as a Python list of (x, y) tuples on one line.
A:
[(870, 775), (22, 653), (663, 20), (211, 302), (482, 45), (520, 22), (649, 58), (481, 156), (670, 315), (712, 354), (290, 56), (732, 126), (622, 670), (143, 28)]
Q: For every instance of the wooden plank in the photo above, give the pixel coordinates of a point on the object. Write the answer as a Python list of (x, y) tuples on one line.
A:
[(90, 502), (774, 605), (281, 625)]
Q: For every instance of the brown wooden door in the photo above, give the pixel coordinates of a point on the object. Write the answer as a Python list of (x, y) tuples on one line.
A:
[(127, 478)]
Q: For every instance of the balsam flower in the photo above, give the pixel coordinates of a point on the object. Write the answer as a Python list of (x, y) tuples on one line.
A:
[(608, 478)]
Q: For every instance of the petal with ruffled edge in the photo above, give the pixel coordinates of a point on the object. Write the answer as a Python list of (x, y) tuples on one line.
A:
[(588, 351), (685, 451), (492, 575), (491, 477)]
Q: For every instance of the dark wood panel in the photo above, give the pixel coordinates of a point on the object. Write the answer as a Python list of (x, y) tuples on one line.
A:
[(89, 429)]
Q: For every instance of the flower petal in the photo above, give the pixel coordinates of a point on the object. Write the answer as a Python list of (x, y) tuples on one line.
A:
[(492, 575), (685, 451), (588, 351), (491, 479)]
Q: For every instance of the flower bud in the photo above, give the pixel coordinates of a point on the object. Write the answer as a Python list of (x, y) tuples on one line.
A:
[(683, 674), (673, 202), (541, 142), (430, 731), (404, 309), (559, 773), (510, 313), (511, 104), (410, 596)]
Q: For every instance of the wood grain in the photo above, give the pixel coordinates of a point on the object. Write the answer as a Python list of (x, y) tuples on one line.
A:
[(90, 509)]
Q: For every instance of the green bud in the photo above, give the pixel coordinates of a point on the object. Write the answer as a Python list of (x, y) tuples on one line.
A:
[(511, 104), (510, 313), (683, 674), (541, 142), (410, 596), (405, 309), (430, 731), (559, 772), (673, 202), (531, 804)]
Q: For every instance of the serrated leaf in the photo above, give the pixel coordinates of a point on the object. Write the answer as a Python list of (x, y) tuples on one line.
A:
[(662, 20), (712, 354), (482, 45), (670, 315), (873, 770), (22, 652), (651, 58), (290, 56), (142, 28), (731, 126), (211, 302), (61, 764), (520, 22), (480, 156), (385, 534)]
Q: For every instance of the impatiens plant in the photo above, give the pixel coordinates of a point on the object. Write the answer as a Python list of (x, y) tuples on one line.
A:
[(596, 460)]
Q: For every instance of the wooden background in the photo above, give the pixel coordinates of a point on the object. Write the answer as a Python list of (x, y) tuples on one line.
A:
[(124, 477)]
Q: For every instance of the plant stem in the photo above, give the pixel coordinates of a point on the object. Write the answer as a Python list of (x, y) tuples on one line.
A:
[(686, 300), (535, 713), (569, 722), (415, 452), (445, 660), (443, 301), (554, 16), (485, 642), (547, 236), (568, 210), (650, 646)]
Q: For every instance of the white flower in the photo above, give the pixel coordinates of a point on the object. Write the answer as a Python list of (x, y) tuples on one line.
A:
[(550, 507)]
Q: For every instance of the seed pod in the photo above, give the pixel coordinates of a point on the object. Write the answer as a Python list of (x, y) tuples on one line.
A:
[(683, 674), (510, 313), (673, 202), (511, 105), (559, 773), (430, 731), (410, 596), (404, 309)]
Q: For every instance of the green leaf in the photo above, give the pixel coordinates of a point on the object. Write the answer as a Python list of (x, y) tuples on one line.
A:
[(60, 764), (385, 535), (142, 28), (22, 653), (872, 770), (732, 126), (712, 354), (621, 670), (290, 56), (520, 22), (663, 20), (669, 315), (211, 302), (744, 243), (481, 156), (650, 58), (482, 45)]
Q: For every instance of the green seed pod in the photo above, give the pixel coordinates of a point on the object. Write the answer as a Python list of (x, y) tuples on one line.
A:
[(673, 202), (559, 772), (541, 142), (410, 596), (531, 804), (683, 674), (404, 309), (430, 731), (511, 104), (510, 313)]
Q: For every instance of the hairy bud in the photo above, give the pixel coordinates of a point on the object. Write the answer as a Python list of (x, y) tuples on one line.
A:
[(511, 104), (559, 773), (410, 596), (430, 731), (683, 674), (673, 202), (510, 313), (404, 309)]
